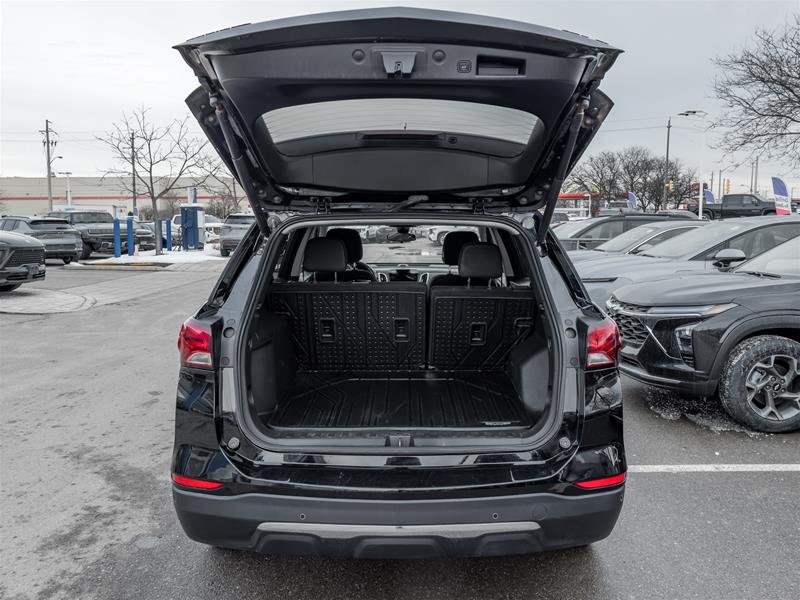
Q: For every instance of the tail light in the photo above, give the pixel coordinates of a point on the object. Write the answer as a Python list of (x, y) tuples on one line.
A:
[(602, 482), (196, 484), (195, 344), (602, 345)]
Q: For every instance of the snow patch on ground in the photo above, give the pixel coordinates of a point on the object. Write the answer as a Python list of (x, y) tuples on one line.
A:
[(208, 253), (705, 412)]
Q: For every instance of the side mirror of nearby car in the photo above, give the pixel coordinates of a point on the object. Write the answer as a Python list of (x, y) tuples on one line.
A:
[(642, 248), (725, 257)]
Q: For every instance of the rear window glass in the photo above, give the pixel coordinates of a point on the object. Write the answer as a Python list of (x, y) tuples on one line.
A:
[(399, 114), (390, 245), (88, 217)]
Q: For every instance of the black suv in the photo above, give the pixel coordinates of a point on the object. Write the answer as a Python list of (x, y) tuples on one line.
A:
[(736, 205), (401, 399)]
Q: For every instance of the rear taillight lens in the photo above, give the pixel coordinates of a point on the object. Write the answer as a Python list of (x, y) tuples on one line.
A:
[(196, 484), (602, 482), (195, 343), (602, 345)]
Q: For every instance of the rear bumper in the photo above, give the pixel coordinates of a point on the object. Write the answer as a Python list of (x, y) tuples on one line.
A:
[(490, 526)]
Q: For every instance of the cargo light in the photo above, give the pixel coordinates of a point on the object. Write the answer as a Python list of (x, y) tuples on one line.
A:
[(602, 482), (194, 344), (602, 345), (197, 484)]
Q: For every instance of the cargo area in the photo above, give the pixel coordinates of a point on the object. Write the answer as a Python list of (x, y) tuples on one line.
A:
[(334, 348)]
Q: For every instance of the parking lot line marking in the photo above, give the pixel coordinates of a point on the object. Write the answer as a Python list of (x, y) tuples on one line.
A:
[(715, 468)]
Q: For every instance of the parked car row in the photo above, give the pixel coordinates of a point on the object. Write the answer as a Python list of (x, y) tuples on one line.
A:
[(708, 308)]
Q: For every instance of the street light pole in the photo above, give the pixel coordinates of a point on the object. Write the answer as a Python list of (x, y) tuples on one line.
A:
[(49, 163), (69, 189), (666, 166), (700, 197)]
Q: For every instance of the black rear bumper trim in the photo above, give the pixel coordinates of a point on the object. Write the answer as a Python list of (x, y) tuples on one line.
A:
[(488, 526)]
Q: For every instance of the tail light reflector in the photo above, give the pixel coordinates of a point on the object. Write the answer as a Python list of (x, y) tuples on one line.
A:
[(197, 484), (602, 345), (195, 344), (602, 482)]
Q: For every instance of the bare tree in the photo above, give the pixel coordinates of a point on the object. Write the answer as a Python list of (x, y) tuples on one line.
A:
[(219, 182), (597, 174), (159, 156), (760, 86), (633, 169)]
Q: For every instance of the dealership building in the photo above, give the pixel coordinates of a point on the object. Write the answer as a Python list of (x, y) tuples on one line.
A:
[(28, 195)]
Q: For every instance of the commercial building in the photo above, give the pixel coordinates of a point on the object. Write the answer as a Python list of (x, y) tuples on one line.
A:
[(28, 195)]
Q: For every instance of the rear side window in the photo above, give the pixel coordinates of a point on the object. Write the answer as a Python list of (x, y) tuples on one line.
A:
[(757, 241), (665, 235)]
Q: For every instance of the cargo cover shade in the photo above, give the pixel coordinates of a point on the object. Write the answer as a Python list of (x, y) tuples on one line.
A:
[(398, 107)]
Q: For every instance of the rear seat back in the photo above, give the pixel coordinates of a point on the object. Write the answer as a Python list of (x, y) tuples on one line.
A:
[(475, 328), (351, 325)]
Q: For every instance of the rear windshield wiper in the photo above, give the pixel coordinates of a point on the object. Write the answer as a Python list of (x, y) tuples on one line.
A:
[(762, 274)]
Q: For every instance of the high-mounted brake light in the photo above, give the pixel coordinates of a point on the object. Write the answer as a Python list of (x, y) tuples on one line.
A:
[(602, 345), (602, 482), (194, 344), (197, 484)]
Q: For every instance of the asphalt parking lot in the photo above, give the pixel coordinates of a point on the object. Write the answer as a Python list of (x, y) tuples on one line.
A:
[(87, 411)]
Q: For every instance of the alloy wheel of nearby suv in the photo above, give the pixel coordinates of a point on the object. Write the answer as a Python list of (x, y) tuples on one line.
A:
[(760, 383)]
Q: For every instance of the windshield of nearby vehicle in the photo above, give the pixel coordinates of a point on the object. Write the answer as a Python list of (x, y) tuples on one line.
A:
[(384, 244), (87, 217), (240, 219), (697, 240), (399, 114), (567, 230), (623, 240), (781, 260)]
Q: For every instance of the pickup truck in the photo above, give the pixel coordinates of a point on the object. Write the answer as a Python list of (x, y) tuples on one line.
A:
[(736, 205), (97, 231)]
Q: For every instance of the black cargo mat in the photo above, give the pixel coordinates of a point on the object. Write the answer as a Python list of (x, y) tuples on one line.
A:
[(324, 400)]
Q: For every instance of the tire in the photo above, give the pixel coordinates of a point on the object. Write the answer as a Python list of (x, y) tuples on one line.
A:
[(9, 287), (86, 251), (224, 252), (66, 259), (753, 365), (708, 215)]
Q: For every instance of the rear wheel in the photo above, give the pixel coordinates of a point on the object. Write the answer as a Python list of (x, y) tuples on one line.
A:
[(9, 287), (224, 251), (66, 259), (760, 384), (708, 215), (86, 251)]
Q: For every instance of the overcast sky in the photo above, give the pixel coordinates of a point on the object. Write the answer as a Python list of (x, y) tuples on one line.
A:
[(81, 64)]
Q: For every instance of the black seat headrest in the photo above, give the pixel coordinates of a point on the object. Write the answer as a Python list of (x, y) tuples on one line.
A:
[(480, 260), (325, 255), (352, 242), (453, 243)]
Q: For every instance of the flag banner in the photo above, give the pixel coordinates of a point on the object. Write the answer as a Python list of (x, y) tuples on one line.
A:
[(632, 200), (783, 204), (708, 197)]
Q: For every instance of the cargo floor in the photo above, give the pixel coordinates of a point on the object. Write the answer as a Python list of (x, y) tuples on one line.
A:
[(325, 400)]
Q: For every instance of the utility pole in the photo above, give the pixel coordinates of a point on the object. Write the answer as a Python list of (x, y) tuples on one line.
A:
[(666, 166), (133, 171), (46, 142)]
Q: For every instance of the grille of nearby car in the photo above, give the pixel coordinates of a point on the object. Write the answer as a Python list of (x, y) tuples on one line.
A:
[(632, 330), (26, 256)]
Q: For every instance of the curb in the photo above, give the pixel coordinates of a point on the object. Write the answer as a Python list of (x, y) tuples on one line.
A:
[(119, 266)]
